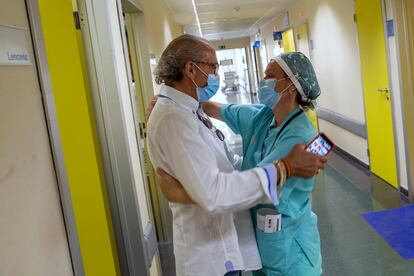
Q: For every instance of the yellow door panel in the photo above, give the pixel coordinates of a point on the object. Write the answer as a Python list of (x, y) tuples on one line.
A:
[(75, 118), (313, 118), (288, 41), (376, 89), (303, 39)]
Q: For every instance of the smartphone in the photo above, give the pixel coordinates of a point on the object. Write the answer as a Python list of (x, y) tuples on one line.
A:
[(321, 145)]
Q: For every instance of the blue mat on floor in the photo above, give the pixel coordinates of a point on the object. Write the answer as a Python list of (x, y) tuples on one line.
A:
[(396, 227)]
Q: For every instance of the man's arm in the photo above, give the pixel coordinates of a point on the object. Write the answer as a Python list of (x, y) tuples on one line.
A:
[(193, 163), (303, 164)]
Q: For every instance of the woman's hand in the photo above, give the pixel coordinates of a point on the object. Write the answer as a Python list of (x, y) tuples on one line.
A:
[(151, 105), (171, 188)]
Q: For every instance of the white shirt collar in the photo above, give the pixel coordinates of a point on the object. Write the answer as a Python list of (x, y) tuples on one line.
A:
[(179, 97)]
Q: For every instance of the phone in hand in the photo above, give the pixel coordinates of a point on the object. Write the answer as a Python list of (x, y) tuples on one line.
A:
[(320, 145)]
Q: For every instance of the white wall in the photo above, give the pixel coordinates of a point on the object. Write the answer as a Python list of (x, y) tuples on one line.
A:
[(231, 43), (33, 238), (336, 60), (160, 24)]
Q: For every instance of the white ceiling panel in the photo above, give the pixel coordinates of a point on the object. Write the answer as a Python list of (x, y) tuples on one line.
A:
[(225, 19)]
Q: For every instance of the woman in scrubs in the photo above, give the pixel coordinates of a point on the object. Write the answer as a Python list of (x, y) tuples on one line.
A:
[(269, 132)]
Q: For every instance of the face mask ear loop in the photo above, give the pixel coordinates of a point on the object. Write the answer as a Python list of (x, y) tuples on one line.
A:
[(200, 69), (194, 83), (283, 91)]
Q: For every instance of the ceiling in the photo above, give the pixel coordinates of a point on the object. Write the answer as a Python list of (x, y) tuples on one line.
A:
[(225, 19)]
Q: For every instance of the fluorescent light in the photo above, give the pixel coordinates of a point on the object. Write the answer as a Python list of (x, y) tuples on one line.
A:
[(198, 21)]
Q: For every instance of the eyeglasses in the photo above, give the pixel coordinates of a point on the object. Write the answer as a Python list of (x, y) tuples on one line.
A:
[(210, 126), (216, 66)]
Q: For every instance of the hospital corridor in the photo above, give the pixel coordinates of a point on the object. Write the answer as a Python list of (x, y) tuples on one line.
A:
[(206, 137)]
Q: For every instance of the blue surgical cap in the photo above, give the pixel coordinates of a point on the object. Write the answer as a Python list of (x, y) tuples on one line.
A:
[(300, 70)]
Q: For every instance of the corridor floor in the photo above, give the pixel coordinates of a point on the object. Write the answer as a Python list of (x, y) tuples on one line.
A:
[(349, 245)]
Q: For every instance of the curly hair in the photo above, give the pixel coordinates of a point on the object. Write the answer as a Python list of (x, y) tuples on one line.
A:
[(184, 48)]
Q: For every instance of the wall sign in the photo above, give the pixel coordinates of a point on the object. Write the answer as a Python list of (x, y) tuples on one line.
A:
[(226, 62), (390, 28), (14, 46), (277, 36)]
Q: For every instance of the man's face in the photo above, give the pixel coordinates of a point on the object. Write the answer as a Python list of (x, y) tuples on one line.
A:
[(208, 65)]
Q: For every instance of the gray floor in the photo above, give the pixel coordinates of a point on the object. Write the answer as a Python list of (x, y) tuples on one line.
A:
[(349, 245)]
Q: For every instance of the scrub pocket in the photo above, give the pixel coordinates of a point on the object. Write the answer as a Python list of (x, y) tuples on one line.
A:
[(272, 251), (303, 266), (307, 238)]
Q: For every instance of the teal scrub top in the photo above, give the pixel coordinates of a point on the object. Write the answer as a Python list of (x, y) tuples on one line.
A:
[(256, 125)]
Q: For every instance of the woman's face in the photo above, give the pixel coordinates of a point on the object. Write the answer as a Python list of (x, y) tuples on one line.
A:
[(274, 71)]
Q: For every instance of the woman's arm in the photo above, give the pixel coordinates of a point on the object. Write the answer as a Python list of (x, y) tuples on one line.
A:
[(150, 106), (171, 188), (213, 109)]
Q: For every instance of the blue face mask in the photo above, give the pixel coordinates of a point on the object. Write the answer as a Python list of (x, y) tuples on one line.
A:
[(207, 92), (267, 94)]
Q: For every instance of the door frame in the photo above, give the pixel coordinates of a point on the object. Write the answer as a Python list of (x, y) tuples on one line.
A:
[(102, 29), (42, 67), (390, 84), (140, 68), (295, 34), (393, 104), (404, 33)]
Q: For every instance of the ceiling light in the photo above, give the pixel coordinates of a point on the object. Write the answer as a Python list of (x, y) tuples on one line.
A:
[(198, 21)]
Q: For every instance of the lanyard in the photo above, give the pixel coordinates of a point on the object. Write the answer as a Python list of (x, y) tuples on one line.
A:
[(280, 132), (205, 120)]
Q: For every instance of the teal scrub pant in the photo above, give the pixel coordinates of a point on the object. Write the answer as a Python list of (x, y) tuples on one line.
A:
[(302, 267)]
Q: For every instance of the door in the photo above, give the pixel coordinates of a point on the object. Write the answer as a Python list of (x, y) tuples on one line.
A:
[(376, 89), (302, 39), (155, 208), (288, 41), (289, 46), (302, 42), (158, 205), (33, 238)]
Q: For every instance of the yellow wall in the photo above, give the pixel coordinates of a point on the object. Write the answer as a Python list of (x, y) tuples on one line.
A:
[(160, 25), (288, 41), (75, 119)]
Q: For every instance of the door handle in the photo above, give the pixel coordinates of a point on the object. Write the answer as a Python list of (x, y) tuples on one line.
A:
[(383, 90)]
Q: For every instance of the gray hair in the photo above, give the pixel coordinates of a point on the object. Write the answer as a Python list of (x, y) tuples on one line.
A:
[(172, 61)]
